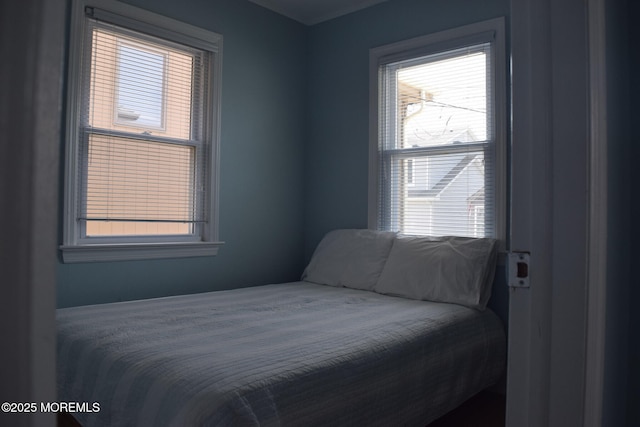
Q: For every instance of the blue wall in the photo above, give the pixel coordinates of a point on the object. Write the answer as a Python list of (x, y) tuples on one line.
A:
[(337, 146), (632, 153), (337, 149), (294, 145), (261, 186), (622, 353)]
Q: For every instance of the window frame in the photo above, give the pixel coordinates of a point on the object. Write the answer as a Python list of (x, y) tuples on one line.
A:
[(204, 240), (486, 31)]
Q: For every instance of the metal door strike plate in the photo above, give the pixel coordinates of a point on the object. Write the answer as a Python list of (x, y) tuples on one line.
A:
[(519, 269)]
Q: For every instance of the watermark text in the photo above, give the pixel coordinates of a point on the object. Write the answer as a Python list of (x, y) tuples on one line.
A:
[(71, 407)]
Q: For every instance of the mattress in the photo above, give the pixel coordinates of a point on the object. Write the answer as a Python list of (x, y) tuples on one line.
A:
[(277, 355)]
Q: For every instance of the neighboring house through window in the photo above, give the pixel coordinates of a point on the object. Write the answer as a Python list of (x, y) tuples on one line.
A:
[(142, 136), (439, 134)]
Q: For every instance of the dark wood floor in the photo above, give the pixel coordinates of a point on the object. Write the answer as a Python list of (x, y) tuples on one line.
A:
[(486, 409), (67, 420)]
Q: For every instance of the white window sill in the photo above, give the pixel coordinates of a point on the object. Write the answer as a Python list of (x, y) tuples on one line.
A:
[(137, 251)]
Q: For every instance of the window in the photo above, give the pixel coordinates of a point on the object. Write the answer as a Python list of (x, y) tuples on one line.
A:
[(140, 100), (142, 132), (438, 134)]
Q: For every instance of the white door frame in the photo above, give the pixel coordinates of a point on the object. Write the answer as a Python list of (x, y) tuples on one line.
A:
[(32, 44), (558, 212), (598, 183), (531, 172)]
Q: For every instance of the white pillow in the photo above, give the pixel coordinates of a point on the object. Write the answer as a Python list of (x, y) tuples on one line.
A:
[(456, 270), (349, 258)]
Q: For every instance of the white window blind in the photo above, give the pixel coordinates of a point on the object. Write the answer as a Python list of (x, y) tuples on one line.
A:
[(437, 139), (142, 148)]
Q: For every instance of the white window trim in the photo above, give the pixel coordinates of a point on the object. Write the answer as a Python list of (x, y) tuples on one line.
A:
[(432, 43), (74, 249)]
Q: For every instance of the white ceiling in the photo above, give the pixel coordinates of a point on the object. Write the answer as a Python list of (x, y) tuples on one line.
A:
[(311, 12)]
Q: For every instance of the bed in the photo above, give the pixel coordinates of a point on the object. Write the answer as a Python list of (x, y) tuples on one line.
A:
[(350, 350)]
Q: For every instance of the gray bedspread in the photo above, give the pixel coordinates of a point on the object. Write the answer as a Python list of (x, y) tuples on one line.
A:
[(295, 354)]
